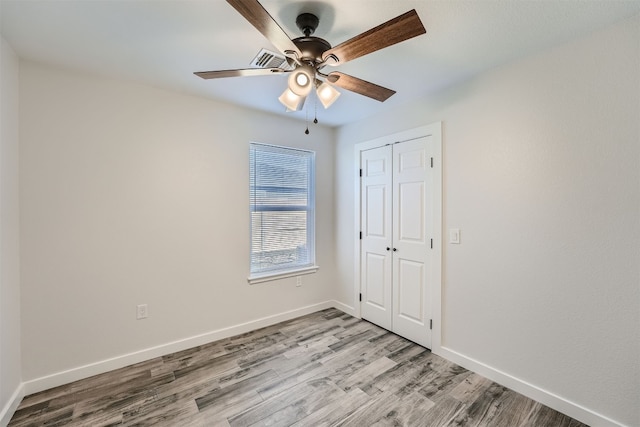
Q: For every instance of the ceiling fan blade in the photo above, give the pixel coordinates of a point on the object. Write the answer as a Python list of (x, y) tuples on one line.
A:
[(396, 30), (258, 16), (238, 73), (360, 86)]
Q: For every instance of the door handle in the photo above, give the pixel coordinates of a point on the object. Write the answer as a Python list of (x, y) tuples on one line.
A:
[(388, 248), (394, 249)]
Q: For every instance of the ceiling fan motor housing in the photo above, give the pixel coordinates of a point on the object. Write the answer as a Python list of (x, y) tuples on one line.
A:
[(311, 48)]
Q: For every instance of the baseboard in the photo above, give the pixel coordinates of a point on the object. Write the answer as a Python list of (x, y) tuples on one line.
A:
[(86, 371), (345, 308), (538, 394), (11, 406)]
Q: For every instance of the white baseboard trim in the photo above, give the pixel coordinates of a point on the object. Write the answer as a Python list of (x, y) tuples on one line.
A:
[(344, 308), (538, 394), (11, 406), (86, 371)]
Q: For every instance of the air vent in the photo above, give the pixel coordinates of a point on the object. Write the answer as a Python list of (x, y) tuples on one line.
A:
[(267, 59)]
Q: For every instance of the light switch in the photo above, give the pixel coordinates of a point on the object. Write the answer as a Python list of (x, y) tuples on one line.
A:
[(454, 236)]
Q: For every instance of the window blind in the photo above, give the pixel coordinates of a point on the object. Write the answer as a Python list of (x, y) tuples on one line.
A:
[(282, 208)]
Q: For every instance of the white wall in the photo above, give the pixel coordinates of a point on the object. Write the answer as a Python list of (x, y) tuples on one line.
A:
[(131, 194), (542, 176), (10, 364)]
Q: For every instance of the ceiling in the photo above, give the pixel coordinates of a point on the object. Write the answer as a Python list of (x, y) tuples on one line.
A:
[(163, 42)]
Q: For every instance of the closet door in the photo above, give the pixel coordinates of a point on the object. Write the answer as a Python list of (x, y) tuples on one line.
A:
[(376, 226), (412, 219)]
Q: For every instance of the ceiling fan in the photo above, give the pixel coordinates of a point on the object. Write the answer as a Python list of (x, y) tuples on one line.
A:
[(307, 56)]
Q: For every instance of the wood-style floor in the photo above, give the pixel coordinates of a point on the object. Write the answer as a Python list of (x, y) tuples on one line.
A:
[(323, 369)]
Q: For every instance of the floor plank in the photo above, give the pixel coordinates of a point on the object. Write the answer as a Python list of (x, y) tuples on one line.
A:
[(324, 369)]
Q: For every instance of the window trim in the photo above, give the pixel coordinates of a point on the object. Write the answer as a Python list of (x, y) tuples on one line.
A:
[(272, 275), (299, 270)]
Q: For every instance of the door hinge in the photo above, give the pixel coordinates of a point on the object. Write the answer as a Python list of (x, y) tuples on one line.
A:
[(431, 243), (361, 235), (432, 162), (360, 297), (360, 172), (430, 323)]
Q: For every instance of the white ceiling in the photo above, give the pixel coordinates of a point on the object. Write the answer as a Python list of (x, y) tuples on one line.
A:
[(162, 42)]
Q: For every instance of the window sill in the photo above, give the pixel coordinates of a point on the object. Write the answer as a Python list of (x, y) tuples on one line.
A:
[(267, 277)]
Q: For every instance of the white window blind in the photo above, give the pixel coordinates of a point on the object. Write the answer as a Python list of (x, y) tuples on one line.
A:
[(282, 209)]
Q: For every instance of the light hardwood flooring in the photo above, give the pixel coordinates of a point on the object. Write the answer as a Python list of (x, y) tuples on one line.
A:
[(323, 369)]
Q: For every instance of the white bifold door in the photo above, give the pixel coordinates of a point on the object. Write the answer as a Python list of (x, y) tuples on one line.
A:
[(396, 246)]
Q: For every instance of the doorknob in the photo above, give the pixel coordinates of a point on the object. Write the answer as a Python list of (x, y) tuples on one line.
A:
[(394, 249), (388, 248)]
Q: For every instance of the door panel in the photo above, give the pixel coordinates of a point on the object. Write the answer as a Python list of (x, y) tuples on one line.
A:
[(377, 167), (375, 220), (375, 291), (412, 239), (376, 211), (410, 289), (411, 160), (411, 216)]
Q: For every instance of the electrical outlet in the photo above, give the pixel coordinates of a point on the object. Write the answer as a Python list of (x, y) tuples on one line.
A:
[(298, 281), (142, 311)]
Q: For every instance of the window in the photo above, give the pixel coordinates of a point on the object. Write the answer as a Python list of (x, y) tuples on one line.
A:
[(282, 188)]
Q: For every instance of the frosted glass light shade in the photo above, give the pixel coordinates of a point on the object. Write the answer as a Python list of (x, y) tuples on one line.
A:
[(327, 94), (292, 101), (301, 80)]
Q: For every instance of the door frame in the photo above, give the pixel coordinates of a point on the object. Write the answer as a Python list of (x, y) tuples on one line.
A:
[(435, 131)]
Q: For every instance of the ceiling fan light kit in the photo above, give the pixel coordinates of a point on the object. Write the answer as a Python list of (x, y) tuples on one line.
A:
[(327, 94), (300, 80), (306, 56), (292, 101)]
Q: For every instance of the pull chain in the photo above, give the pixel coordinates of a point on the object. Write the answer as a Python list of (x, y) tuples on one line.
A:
[(306, 112), (315, 109), (315, 112)]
